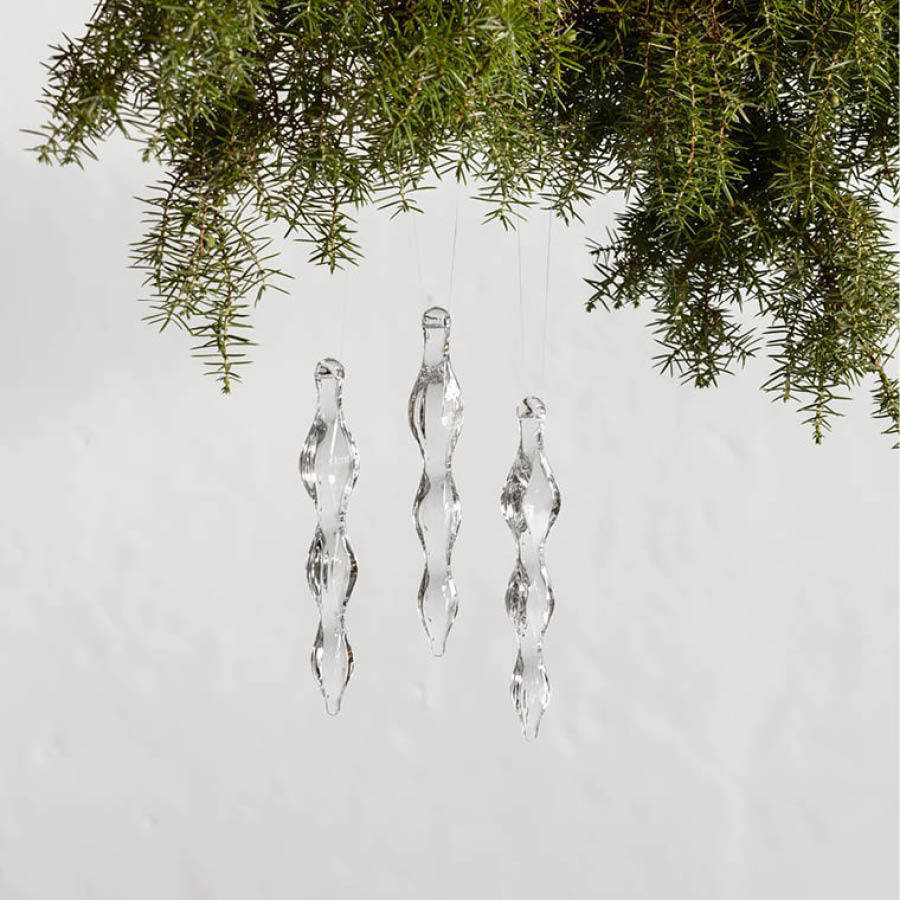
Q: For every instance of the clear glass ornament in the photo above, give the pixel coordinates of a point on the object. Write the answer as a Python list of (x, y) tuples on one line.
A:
[(530, 504), (329, 466), (435, 417)]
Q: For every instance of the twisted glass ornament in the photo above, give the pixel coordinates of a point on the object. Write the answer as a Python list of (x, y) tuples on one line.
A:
[(530, 504), (329, 466), (435, 416)]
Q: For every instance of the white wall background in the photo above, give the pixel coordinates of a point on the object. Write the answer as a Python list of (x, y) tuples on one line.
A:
[(723, 656)]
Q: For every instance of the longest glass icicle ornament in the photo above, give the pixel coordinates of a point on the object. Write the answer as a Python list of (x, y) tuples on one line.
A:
[(329, 466), (530, 504), (435, 416)]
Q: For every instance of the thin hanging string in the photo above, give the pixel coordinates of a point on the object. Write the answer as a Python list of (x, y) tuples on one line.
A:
[(453, 247), (521, 307), (546, 302), (344, 300), (415, 231)]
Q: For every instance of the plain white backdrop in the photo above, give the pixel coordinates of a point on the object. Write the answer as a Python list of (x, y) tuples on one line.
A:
[(723, 654)]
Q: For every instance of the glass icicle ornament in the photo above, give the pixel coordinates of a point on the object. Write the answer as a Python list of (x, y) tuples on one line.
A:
[(436, 416), (530, 504), (329, 466)]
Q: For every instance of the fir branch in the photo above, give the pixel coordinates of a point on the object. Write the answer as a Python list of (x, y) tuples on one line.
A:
[(757, 143)]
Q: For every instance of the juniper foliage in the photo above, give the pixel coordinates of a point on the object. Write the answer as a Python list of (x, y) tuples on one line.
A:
[(756, 141)]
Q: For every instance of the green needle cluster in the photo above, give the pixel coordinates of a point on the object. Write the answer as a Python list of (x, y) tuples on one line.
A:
[(756, 142)]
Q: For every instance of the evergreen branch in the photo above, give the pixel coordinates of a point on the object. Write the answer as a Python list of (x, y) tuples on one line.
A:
[(756, 141)]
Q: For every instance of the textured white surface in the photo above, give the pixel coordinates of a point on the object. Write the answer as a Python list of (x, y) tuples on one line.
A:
[(723, 655)]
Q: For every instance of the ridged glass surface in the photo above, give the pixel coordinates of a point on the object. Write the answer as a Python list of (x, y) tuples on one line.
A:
[(530, 504), (435, 416), (329, 466)]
